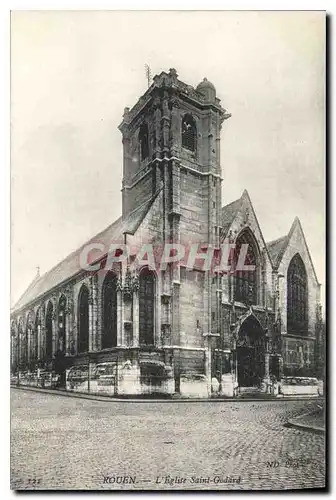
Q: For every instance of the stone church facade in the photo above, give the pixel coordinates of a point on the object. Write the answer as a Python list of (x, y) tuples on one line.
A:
[(133, 330)]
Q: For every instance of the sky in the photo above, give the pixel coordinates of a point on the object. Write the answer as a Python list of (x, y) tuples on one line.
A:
[(72, 75)]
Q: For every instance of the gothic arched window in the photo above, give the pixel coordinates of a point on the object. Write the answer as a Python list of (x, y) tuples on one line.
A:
[(189, 133), (143, 141), (297, 296), (109, 303), (49, 330), (83, 319), (146, 307), (32, 339), (61, 322), (21, 340), (246, 282)]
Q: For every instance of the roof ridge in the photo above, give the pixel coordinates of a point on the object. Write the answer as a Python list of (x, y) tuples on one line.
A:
[(31, 285), (231, 203), (146, 202), (272, 242), (43, 276)]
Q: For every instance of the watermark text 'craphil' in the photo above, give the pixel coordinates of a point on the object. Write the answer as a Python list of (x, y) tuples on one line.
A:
[(228, 258)]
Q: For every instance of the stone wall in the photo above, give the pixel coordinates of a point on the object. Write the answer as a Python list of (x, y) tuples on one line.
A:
[(191, 308), (194, 209)]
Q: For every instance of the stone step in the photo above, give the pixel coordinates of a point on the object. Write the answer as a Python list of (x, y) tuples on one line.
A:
[(256, 394), (253, 392), (248, 390)]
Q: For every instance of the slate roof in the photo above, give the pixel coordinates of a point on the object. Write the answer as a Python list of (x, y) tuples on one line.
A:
[(70, 266), (276, 249), (228, 214)]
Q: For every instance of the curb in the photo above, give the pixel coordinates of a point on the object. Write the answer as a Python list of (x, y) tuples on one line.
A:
[(303, 427), (111, 399)]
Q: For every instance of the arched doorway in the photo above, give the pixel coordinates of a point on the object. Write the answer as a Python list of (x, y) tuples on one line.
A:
[(250, 353)]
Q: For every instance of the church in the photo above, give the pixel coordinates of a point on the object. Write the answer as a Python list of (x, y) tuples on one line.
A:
[(130, 330)]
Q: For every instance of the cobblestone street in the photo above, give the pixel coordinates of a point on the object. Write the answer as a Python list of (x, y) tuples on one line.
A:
[(70, 443)]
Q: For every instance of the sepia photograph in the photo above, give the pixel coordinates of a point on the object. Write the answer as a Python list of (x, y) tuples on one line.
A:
[(168, 241)]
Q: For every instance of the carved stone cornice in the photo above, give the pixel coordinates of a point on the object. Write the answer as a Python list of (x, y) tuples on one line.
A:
[(129, 285)]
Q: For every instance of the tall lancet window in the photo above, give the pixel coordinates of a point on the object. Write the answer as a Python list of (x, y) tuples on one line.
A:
[(143, 141), (61, 323), (83, 320), (146, 307), (32, 338), (22, 342), (109, 309), (297, 296), (246, 281)]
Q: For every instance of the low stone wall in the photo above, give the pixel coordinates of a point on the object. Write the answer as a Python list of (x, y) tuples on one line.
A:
[(299, 386), (193, 386), (39, 378), (108, 378)]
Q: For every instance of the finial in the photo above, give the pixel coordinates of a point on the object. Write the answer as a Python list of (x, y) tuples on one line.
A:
[(148, 74), (38, 271)]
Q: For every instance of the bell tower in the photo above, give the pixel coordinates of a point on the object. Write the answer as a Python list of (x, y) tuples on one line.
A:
[(171, 140)]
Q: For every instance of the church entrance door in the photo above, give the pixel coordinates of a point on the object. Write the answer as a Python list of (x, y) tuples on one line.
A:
[(250, 353)]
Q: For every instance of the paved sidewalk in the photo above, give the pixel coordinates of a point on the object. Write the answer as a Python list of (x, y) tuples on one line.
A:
[(313, 421), (176, 399)]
